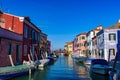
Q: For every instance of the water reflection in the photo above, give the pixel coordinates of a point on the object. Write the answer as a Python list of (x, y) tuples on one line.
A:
[(99, 77), (65, 68), (81, 70)]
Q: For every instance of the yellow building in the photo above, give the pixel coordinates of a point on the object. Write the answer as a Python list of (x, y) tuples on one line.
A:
[(69, 47)]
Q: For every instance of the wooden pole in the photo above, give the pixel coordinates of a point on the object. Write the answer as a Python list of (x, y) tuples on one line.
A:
[(11, 60)]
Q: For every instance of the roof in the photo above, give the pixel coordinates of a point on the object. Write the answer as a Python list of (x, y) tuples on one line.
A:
[(4, 33), (26, 18), (84, 33), (69, 43), (98, 28), (115, 26)]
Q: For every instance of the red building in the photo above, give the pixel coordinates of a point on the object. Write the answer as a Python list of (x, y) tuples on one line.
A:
[(10, 44), (30, 33), (48, 47)]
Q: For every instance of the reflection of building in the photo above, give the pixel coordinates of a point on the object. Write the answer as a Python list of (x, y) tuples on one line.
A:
[(10, 44), (107, 41), (69, 47)]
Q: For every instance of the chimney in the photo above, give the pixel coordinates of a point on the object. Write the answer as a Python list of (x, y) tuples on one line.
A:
[(119, 21)]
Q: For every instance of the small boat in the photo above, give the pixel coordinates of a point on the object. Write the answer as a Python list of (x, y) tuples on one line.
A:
[(80, 59), (100, 66), (88, 61), (10, 72), (43, 63)]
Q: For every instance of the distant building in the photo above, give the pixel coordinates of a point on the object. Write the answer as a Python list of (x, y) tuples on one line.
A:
[(90, 35), (80, 44), (75, 45), (94, 47), (48, 47), (69, 47), (10, 44)]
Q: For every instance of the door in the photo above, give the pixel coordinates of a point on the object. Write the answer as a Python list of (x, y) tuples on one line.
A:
[(17, 53)]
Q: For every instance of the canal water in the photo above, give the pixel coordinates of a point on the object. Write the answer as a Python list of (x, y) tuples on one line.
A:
[(65, 68)]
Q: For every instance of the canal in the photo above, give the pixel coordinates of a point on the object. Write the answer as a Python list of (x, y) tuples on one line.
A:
[(65, 68)]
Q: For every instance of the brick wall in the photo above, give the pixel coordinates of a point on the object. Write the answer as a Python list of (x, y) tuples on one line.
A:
[(4, 58)]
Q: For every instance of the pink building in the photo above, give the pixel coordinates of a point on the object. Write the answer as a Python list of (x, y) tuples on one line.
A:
[(75, 45), (79, 44)]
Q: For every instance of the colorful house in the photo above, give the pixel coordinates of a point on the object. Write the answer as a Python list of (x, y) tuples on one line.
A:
[(107, 42), (80, 44), (10, 44), (48, 47), (91, 34), (94, 47), (69, 47), (75, 45), (30, 33)]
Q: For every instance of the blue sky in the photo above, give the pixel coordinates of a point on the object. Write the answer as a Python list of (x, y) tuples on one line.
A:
[(62, 20)]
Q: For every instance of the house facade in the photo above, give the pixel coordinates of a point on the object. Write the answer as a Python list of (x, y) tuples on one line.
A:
[(107, 42), (69, 47), (10, 44), (81, 38), (30, 33), (48, 47), (90, 35), (75, 45), (94, 47)]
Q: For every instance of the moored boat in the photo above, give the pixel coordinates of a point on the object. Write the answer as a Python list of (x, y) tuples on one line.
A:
[(100, 66), (80, 59), (10, 72), (43, 63)]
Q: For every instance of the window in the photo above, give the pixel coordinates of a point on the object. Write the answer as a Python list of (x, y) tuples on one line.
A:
[(112, 36), (25, 50), (112, 52), (33, 35), (79, 38), (2, 22), (25, 32), (83, 37), (9, 48)]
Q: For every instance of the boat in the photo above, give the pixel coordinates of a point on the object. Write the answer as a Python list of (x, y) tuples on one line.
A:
[(10, 72), (43, 63), (88, 61), (100, 66), (80, 59)]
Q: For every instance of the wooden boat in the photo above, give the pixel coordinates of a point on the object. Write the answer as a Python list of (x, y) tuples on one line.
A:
[(100, 66), (10, 72)]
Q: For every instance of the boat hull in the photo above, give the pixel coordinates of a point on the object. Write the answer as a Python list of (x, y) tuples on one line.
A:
[(12, 72), (100, 69)]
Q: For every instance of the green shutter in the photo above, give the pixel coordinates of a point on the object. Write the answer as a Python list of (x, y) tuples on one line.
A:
[(114, 36)]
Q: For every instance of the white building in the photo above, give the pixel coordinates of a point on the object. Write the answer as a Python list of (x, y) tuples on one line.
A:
[(107, 41)]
